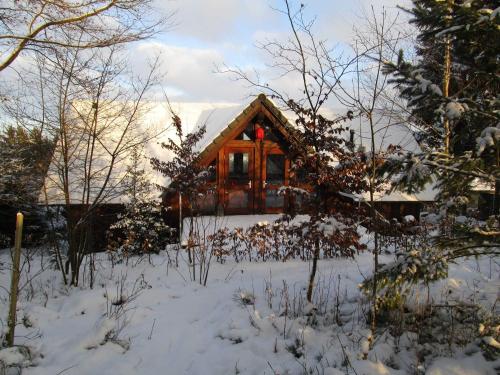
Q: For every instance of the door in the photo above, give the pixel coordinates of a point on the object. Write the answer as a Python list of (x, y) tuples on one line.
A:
[(238, 181), (274, 176)]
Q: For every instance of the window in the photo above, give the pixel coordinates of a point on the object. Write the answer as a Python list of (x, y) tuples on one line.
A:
[(274, 199), (248, 134), (275, 169), (238, 167), (271, 134)]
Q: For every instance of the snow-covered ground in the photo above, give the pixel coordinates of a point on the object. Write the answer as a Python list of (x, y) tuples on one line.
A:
[(251, 318)]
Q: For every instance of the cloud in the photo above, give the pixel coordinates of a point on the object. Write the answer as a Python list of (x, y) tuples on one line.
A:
[(217, 20), (336, 19), (189, 72), (216, 32)]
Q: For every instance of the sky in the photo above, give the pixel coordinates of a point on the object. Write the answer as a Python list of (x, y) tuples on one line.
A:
[(208, 34)]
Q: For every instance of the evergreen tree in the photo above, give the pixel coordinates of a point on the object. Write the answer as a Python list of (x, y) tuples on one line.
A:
[(140, 228), (452, 91), (186, 175), (188, 178), (25, 156), (455, 79)]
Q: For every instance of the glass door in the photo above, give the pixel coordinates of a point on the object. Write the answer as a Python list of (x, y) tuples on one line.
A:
[(274, 176), (238, 182)]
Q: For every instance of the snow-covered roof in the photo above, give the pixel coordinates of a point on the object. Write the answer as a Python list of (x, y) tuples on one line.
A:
[(154, 125), (389, 128), (216, 120), (428, 194), (482, 186)]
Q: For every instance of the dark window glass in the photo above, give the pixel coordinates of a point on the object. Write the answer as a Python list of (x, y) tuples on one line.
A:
[(273, 135), (238, 199), (301, 175), (238, 167), (275, 169), (207, 203), (247, 135)]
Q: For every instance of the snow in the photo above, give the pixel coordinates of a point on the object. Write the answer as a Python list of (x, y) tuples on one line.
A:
[(448, 30), (464, 366), (427, 194), (332, 371), (154, 124), (409, 219), (495, 13), (488, 137), (176, 326), (212, 223), (216, 120), (426, 85), (455, 110), (481, 185), (491, 342), (12, 356)]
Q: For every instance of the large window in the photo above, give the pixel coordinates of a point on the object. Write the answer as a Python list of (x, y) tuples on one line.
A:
[(275, 169), (238, 167)]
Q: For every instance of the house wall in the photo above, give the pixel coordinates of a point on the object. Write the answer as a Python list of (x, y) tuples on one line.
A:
[(398, 210), (486, 204), (101, 219)]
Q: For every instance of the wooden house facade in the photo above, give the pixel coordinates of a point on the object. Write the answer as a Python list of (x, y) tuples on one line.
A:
[(250, 158), (250, 161)]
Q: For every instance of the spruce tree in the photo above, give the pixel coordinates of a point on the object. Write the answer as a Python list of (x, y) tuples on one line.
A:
[(25, 156), (452, 91), (140, 228)]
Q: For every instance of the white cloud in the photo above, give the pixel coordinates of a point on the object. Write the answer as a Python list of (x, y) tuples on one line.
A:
[(190, 72), (214, 21), (211, 33)]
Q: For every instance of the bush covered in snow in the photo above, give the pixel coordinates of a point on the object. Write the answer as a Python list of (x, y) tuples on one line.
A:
[(139, 230)]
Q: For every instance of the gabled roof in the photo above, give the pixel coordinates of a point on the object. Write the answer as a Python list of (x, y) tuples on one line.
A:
[(222, 124)]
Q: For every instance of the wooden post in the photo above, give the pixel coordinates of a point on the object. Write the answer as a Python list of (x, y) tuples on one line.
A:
[(15, 279), (180, 219)]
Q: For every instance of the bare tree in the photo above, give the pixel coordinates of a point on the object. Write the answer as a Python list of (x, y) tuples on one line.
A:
[(35, 25), (370, 94), (95, 110), (330, 166)]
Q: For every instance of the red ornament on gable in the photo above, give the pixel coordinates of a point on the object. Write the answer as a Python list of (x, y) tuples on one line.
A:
[(259, 134)]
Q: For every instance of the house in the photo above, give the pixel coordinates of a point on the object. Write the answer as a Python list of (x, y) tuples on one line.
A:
[(249, 150), (248, 146)]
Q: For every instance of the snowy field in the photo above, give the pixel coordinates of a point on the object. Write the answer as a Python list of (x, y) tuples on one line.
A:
[(251, 318)]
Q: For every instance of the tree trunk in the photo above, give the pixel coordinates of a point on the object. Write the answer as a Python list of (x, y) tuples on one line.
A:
[(374, 285), (320, 203), (310, 288), (446, 85), (15, 280)]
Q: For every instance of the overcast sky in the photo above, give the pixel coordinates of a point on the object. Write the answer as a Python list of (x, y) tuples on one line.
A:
[(209, 33)]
